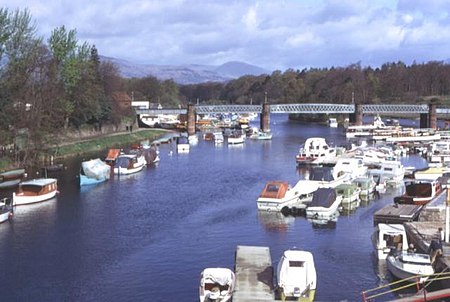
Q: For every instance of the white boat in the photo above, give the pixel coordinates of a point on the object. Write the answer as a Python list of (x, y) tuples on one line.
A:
[(438, 153), (325, 203), (351, 166), (218, 137), (129, 163), (296, 276), (367, 186), (94, 171), (358, 131), (35, 190), (332, 122), (261, 135), (6, 209), (182, 144), (413, 267), (414, 135), (236, 137), (349, 192), (328, 177), (168, 121), (390, 171), (216, 284), (279, 194), (388, 237), (148, 121), (314, 151)]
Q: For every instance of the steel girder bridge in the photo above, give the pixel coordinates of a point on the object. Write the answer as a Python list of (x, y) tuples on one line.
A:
[(301, 108)]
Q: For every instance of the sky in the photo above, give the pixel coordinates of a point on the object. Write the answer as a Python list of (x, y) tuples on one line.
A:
[(272, 34)]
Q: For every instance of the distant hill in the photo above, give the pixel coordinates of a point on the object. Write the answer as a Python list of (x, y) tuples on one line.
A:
[(186, 74)]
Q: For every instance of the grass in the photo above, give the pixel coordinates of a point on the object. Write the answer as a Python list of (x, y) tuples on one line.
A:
[(105, 142)]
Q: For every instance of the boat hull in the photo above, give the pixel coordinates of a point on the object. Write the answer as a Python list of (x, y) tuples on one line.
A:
[(20, 199), (87, 181)]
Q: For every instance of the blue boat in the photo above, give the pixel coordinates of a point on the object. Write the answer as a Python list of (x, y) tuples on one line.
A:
[(94, 171)]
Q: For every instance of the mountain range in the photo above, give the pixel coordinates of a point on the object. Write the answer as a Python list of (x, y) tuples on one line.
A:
[(186, 74)]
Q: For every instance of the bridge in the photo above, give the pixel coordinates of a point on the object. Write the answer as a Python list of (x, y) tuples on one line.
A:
[(427, 112)]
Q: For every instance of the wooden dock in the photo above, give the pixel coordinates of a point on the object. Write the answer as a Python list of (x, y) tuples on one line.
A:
[(254, 274), (397, 213)]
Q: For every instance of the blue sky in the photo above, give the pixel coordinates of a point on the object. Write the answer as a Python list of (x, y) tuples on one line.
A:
[(273, 34)]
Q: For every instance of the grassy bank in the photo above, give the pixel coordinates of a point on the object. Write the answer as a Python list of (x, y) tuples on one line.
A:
[(104, 142)]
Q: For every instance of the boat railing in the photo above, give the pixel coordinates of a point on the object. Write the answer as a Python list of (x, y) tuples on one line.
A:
[(425, 280)]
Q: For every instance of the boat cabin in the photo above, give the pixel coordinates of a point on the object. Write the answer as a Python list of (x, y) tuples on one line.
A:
[(387, 237)]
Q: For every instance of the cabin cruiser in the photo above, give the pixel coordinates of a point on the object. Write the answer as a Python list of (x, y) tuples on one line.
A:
[(182, 144), (325, 203), (391, 172), (439, 153), (411, 267), (332, 122), (353, 167), (388, 237), (314, 152), (35, 190), (216, 284), (236, 137), (414, 135), (129, 163), (358, 131), (430, 173), (328, 177), (367, 186), (350, 194), (279, 194), (6, 209), (419, 192), (296, 276)]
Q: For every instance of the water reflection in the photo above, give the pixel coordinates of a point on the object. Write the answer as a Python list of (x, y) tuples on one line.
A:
[(349, 208), (35, 212), (275, 221), (324, 223)]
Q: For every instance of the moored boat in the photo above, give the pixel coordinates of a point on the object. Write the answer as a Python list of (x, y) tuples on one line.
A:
[(388, 237), (411, 267), (9, 184), (367, 186), (332, 122), (296, 276), (35, 190), (6, 209), (12, 174), (314, 151), (94, 171), (182, 144), (325, 203), (349, 192), (279, 194), (129, 163), (216, 284), (419, 192)]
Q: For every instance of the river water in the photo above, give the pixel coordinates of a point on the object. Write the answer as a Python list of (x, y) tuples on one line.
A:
[(147, 237)]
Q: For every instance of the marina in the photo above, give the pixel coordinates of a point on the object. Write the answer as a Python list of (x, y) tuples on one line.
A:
[(135, 236)]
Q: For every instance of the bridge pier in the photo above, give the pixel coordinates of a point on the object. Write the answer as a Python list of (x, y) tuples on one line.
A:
[(432, 117), (191, 119), (357, 117), (265, 117), (429, 120)]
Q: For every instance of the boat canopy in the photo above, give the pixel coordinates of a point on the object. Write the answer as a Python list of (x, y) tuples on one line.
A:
[(323, 197), (221, 276), (96, 168), (275, 189)]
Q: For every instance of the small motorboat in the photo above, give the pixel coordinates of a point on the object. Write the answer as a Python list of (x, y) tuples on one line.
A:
[(216, 284), (35, 190), (94, 171), (325, 203), (129, 163), (279, 194), (182, 144), (411, 267), (296, 276), (6, 209), (387, 237)]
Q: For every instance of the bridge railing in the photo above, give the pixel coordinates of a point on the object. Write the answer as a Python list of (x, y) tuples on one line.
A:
[(301, 108)]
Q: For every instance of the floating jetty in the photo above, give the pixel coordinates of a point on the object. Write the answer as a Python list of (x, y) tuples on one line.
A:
[(254, 274), (397, 213)]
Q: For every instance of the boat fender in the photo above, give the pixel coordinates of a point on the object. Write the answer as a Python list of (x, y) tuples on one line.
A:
[(10, 215)]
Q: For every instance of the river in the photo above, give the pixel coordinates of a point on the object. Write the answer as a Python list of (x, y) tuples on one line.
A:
[(147, 237)]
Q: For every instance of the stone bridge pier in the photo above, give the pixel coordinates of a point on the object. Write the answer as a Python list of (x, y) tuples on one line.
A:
[(357, 117), (191, 117), (429, 120), (265, 117)]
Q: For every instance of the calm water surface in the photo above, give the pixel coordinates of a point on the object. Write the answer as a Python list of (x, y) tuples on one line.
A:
[(147, 237)]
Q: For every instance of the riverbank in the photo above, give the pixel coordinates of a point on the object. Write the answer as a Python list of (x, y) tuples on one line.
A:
[(92, 144)]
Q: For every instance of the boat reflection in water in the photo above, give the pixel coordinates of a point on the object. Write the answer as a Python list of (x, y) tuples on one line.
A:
[(275, 221), (41, 210), (325, 223)]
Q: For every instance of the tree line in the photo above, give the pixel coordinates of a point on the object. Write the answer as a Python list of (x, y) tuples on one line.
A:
[(61, 83)]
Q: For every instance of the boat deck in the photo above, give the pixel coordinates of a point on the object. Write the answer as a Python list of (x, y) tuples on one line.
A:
[(254, 274)]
